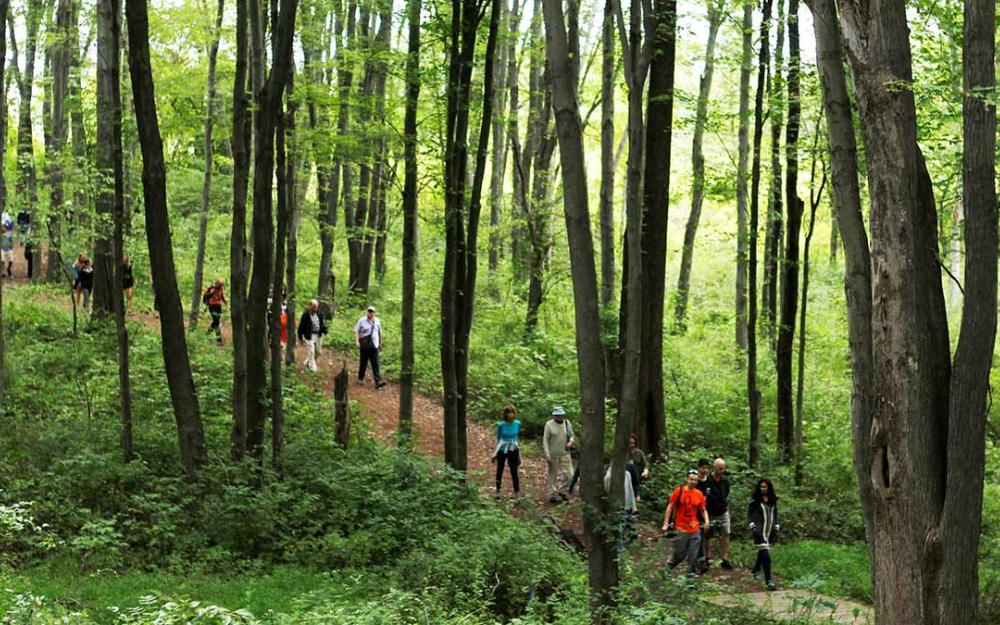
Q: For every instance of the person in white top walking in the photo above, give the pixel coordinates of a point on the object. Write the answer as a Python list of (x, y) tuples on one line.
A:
[(368, 338), (311, 327), (558, 443)]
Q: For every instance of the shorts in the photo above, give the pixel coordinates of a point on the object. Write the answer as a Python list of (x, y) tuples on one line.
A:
[(719, 523), (7, 256)]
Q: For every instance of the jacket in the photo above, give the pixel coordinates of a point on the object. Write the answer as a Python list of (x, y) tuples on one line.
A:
[(305, 329), (763, 520)]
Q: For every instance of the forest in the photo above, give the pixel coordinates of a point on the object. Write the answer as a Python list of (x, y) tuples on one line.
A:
[(625, 273)]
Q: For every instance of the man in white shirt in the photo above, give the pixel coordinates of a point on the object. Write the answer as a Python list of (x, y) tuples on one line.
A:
[(558, 442), (368, 338)]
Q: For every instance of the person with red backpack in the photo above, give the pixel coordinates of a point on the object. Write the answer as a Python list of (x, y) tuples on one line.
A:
[(687, 505), (214, 297)]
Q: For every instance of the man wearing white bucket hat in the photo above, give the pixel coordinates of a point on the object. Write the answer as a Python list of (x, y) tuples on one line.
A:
[(558, 442)]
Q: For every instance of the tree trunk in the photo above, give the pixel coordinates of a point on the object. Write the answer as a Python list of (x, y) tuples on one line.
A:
[(80, 174), (283, 193), (237, 243), (409, 224), (25, 190), (955, 252), (268, 98), (607, 191), (815, 196), (206, 186), (600, 516), (746, 66), (293, 198), (753, 393), (342, 409), (790, 263), (175, 356), (650, 425), (381, 225), (834, 237), (505, 50), (921, 458), (513, 134), (537, 211), (4, 9), (772, 244), (60, 56), (370, 151), (698, 170), (108, 84)]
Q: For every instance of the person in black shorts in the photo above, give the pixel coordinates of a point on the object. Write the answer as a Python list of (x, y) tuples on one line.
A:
[(716, 490)]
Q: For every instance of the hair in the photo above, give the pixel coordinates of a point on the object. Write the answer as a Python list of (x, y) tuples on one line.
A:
[(509, 408), (704, 462), (771, 494), (218, 282), (633, 437)]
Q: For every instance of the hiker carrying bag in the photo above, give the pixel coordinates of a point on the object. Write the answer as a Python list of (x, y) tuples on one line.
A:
[(207, 296)]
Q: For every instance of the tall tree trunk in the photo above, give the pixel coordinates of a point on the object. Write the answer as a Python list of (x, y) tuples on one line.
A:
[(4, 9), (268, 98), (698, 169), (294, 199), (601, 514), (790, 262), (513, 133), (237, 243), (537, 211), (955, 252), (505, 50), (921, 460), (283, 193), (175, 356), (774, 227), (108, 84), (59, 53), (206, 185), (25, 190), (409, 223), (753, 392), (607, 191), (746, 66), (370, 152), (815, 196), (834, 237), (381, 225), (650, 425), (81, 174), (459, 277)]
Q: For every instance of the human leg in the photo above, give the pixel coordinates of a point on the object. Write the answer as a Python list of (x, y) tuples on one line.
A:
[(501, 458), (693, 545), (565, 473), (514, 460), (764, 555), (553, 478), (362, 364), (573, 480), (311, 347), (376, 373), (680, 550)]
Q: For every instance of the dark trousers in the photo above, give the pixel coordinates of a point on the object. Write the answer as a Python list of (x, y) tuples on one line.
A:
[(369, 355), (29, 256), (216, 312), (763, 562), (512, 458), (573, 480)]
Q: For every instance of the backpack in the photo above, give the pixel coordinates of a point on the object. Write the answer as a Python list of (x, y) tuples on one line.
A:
[(207, 296)]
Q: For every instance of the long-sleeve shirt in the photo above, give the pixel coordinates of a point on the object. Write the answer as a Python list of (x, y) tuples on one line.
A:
[(556, 436)]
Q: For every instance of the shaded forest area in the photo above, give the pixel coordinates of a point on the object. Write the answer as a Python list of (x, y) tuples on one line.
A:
[(760, 231)]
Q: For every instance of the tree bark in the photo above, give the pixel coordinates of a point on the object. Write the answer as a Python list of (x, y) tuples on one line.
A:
[(59, 55), (206, 185), (26, 193), (775, 210), (175, 356), (607, 191), (753, 392), (108, 83), (268, 98), (697, 169), (790, 262), (237, 243), (746, 66), (600, 514), (277, 281), (294, 199), (4, 9), (342, 409), (505, 50), (409, 223)]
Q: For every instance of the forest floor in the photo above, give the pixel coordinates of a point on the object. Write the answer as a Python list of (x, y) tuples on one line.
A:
[(379, 410)]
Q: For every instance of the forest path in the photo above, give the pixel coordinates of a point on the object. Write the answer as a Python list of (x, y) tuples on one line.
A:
[(379, 411)]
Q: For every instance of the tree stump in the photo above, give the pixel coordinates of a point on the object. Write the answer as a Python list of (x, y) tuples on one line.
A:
[(342, 408)]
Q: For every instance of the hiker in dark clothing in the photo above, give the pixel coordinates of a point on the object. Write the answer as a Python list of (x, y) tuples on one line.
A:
[(214, 297), (312, 326), (84, 283), (762, 515), (128, 280), (716, 491)]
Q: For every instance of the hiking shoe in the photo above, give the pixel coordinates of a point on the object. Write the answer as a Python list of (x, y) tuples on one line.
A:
[(726, 564), (380, 384), (771, 586), (671, 565), (553, 500), (755, 574), (564, 496)]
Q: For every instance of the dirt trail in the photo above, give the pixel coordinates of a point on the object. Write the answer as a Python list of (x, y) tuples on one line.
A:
[(380, 409)]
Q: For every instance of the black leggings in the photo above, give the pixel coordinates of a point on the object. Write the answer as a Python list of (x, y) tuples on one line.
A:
[(763, 562), (512, 458)]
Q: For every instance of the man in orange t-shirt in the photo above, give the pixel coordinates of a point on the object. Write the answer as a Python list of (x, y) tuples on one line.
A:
[(691, 517)]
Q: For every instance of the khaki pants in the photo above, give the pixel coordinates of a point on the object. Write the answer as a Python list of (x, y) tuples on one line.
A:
[(560, 470), (313, 346)]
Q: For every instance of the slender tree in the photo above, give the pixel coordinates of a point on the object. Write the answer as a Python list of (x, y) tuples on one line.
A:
[(26, 192), (607, 191), (59, 56), (753, 392), (775, 209), (206, 185), (175, 355), (746, 67), (600, 512), (409, 223), (697, 169), (108, 84), (505, 50), (4, 8)]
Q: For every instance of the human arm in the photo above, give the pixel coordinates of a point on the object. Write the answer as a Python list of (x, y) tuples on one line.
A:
[(667, 514), (545, 442), (570, 438), (357, 334)]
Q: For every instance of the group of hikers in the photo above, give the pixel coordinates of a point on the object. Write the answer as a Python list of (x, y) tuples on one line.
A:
[(697, 510), (310, 331)]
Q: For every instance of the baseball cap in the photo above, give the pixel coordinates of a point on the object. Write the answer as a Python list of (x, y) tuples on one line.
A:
[(371, 309)]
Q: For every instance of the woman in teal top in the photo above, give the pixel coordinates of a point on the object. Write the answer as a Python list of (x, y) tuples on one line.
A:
[(507, 451)]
